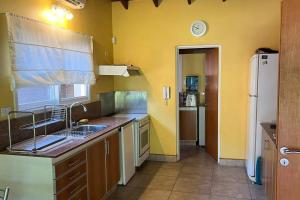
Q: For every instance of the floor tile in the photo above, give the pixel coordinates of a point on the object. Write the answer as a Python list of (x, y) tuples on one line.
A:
[(193, 184), (188, 196), (153, 182), (196, 171), (230, 174), (126, 193), (159, 168), (214, 197), (229, 179), (196, 176), (151, 194), (257, 192), (233, 190)]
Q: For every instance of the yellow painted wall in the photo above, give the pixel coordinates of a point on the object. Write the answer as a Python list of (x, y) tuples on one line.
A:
[(95, 19), (147, 37), (194, 64)]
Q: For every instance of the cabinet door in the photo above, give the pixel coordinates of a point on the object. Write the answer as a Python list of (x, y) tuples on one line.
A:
[(273, 180), (264, 159), (112, 160), (96, 170), (188, 124)]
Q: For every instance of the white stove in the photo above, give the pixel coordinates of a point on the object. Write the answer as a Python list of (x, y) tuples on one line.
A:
[(141, 136)]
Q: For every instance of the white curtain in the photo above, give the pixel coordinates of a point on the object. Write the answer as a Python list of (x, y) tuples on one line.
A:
[(43, 54)]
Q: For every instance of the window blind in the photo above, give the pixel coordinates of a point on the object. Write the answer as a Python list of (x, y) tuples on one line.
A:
[(43, 54)]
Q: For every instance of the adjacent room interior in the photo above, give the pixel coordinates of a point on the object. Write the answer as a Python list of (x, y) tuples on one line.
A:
[(197, 88)]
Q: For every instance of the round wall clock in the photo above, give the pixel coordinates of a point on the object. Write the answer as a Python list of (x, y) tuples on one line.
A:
[(198, 28)]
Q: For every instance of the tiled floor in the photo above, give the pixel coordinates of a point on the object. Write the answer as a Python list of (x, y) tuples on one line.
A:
[(196, 177)]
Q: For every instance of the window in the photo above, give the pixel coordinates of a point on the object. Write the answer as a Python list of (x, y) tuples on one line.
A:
[(37, 97)]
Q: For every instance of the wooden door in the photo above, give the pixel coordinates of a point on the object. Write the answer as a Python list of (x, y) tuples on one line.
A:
[(211, 101), (112, 161), (288, 178), (96, 170)]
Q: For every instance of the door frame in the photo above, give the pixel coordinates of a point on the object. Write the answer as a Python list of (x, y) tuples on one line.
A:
[(219, 47)]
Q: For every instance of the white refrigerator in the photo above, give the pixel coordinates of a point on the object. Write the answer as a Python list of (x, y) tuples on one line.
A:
[(262, 99)]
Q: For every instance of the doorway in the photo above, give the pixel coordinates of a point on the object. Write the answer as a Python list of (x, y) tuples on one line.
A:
[(198, 98)]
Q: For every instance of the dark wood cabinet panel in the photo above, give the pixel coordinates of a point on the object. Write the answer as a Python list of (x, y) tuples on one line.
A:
[(68, 164), (112, 161), (72, 190), (70, 177), (82, 195), (188, 124), (96, 170)]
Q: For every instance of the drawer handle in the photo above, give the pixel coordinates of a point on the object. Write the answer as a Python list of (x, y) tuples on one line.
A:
[(76, 189), (73, 163), (74, 176)]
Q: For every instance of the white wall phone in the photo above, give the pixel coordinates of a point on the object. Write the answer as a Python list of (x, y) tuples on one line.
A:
[(166, 93)]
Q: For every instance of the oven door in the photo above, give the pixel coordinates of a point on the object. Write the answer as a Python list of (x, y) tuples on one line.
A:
[(144, 139)]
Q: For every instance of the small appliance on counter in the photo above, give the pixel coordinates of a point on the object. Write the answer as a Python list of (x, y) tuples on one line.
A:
[(191, 100)]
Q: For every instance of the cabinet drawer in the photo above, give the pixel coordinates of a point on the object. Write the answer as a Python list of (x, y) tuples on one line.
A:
[(82, 195), (70, 177), (72, 190), (66, 165)]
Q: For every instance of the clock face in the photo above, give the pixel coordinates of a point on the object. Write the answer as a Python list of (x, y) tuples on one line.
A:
[(198, 28)]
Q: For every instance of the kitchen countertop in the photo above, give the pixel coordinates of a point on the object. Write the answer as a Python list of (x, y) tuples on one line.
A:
[(111, 122), (188, 108), (271, 132)]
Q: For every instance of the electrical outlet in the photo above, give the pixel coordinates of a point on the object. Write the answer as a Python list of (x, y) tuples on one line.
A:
[(4, 111)]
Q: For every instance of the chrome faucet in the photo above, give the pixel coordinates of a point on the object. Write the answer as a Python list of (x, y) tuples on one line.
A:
[(71, 106)]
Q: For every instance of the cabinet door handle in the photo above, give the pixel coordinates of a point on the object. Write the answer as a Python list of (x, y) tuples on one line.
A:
[(107, 147)]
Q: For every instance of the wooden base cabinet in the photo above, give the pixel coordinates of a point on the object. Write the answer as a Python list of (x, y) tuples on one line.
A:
[(89, 172), (103, 166), (70, 177), (96, 170), (188, 124), (269, 166), (112, 161)]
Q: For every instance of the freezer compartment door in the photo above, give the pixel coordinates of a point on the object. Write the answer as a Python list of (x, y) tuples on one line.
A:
[(251, 136), (268, 88)]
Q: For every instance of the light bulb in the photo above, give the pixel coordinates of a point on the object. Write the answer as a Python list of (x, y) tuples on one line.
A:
[(69, 15)]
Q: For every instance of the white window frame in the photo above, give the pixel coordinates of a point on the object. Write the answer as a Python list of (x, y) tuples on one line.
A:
[(69, 101), (57, 100)]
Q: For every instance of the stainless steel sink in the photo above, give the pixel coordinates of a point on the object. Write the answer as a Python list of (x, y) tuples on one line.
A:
[(82, 131), (90, 128)]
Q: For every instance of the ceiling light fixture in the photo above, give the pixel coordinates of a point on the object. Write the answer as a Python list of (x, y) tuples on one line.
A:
[(61, 12)]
